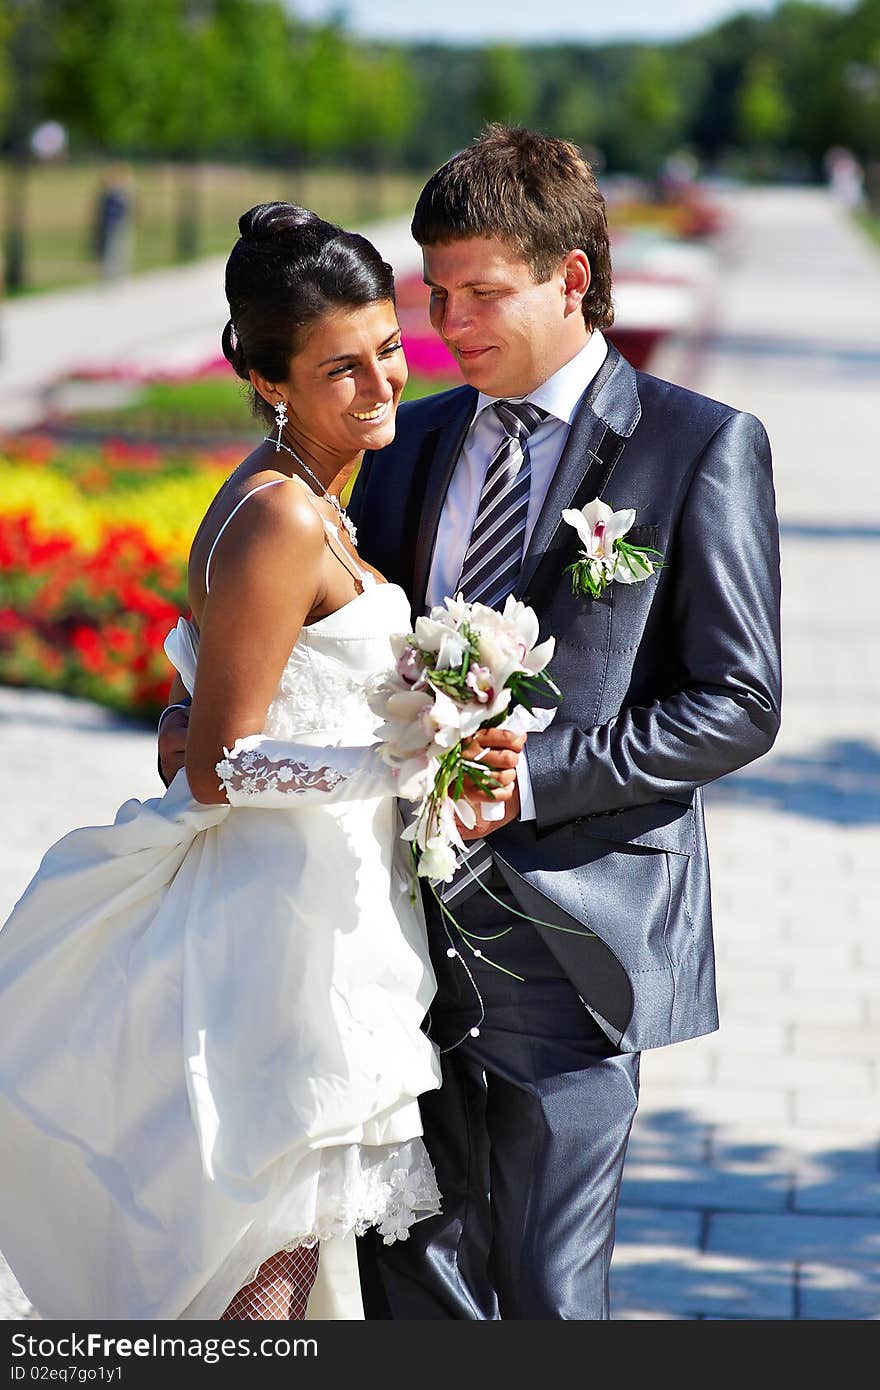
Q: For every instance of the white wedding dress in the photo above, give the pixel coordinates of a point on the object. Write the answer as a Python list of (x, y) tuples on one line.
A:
[(210, 1043)]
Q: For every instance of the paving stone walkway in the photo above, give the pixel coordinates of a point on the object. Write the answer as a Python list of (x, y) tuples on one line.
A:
[(752, 1187)]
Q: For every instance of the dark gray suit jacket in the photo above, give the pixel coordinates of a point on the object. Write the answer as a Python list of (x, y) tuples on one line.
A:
[(667, 684)]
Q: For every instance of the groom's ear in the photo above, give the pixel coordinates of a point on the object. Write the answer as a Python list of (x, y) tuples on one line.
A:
[(576, 267)]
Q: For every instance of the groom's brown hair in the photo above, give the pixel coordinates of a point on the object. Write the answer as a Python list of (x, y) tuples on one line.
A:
[(535, 192)]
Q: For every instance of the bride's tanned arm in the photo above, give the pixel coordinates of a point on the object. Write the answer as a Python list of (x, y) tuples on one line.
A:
[(266, 578)]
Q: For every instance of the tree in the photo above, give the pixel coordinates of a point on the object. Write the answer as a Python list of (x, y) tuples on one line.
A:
[(648, 117), (262, 83), (800, 40), (385, 105), (764, 115), (323, 101), (115, 70), (6, 25), (27, 44), (856, 60), (180, 78), (577, 112), (505, 89)]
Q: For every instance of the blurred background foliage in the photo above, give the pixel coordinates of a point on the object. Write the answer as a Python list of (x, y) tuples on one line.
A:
[(248, 79), (209, 99)]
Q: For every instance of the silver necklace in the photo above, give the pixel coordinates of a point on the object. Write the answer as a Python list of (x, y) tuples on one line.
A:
[(344, 518)]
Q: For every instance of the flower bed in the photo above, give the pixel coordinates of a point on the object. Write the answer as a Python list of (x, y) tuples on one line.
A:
[(93, 552)]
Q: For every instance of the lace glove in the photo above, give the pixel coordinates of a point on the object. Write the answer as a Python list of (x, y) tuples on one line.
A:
[(270, 772)]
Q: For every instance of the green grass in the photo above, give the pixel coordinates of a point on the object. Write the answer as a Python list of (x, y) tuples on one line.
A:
[(60, 201), (204, 405), (870, 222)]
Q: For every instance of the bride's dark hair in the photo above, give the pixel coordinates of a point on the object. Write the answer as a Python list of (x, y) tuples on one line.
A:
[(287, 269)]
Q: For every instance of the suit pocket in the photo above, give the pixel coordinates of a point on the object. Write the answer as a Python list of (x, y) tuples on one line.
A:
[(666, 825), (642, 535)]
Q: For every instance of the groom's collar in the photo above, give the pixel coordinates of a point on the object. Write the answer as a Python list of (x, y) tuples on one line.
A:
[(613, 395), (561, 394)]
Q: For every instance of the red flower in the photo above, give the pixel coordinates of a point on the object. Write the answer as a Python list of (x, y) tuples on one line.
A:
[(10, 622), (86, 642)]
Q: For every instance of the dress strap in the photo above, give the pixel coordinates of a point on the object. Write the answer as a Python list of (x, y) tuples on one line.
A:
[(273, 482), (331, 534), (361, 576)]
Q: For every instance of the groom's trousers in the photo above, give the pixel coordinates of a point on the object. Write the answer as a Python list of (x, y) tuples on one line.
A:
[(527, 1134)]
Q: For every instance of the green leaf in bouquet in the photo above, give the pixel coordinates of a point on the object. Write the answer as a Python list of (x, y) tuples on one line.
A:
[(529, 687), (481, 778), (450, 681)]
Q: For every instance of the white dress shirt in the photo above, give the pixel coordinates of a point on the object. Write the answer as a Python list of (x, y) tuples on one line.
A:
[(560, 396)]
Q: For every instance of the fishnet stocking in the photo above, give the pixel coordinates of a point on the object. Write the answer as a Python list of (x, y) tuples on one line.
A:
[(280, 1291)]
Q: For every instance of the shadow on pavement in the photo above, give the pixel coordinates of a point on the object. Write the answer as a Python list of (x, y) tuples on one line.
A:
[(713, 1226), (839, 782)]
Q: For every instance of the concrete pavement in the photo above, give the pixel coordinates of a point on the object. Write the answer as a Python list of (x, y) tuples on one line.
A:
[(752, 1187)]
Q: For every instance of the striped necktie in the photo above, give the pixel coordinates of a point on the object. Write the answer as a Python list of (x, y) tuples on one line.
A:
[(492, 560), (492, 563)]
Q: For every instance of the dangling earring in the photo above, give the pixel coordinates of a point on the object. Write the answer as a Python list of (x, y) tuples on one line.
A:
[(281, 421)]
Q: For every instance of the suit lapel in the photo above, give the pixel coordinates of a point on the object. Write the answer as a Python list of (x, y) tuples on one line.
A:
[(605, 418), (447, 441)]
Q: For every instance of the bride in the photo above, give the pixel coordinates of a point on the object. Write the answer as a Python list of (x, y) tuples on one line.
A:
[(210, 1042)]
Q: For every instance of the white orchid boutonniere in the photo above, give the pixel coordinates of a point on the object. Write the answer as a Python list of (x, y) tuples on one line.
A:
[(606, 556)]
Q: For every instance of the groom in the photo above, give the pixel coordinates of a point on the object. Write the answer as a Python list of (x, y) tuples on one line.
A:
[(668, 683)]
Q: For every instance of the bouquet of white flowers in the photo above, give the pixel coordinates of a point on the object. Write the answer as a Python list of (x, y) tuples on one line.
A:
[(466, 667)]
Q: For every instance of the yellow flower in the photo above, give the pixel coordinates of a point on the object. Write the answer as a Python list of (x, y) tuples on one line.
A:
[(166, 510)]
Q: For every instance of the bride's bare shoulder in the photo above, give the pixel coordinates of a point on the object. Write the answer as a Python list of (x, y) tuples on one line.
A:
[(258, 518)]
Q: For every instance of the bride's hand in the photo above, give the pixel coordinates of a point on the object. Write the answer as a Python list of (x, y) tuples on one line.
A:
[(498, 751)]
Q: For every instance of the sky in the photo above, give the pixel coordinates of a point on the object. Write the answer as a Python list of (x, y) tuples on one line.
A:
[(528, 21)]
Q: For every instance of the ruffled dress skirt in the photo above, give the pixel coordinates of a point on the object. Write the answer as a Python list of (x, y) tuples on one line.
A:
[(210, 1051)]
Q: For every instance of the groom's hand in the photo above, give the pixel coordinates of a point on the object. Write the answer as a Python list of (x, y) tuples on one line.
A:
[(482, 828), (497, 750)]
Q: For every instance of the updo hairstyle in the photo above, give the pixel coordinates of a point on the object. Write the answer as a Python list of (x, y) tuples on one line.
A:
[(288, 268)]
